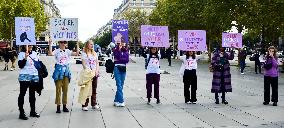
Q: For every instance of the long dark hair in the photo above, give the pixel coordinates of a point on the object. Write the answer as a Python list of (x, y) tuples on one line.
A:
[(193, 55)]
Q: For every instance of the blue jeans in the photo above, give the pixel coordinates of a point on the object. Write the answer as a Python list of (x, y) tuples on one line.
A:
[(242, 65), (119, 78)]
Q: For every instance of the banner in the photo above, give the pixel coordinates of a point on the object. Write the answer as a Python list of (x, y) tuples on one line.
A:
[(232, 40), (120, 31), (64, 29), (155, 36), (25, 31), (192, 40)]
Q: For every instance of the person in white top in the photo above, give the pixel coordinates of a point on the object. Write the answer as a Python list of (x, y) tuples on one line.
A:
[(153, 74), (90, 61), (28, 78), (189, 65), (62, 74)]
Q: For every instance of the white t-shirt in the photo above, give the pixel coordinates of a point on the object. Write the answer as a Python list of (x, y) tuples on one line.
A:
[(29, 68), (91, 60), (189, 63), (62, 57), (153, 65)]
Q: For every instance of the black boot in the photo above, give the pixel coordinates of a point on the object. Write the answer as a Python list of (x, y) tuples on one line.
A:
[(58, 109), (158, 101), (34, 114), (149, 100), (224, 102), (65, 109), (217, 101), (23, 115)]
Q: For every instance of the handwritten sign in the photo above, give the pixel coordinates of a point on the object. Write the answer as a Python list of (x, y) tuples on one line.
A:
[(120, 31), (192, 40), (232, 40), (155, 36), (25, 31), (64, 29)]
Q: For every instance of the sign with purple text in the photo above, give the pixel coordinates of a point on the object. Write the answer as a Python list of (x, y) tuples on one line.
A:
[(155, 36), (232, 40), (64, 29), (25, 31), (192, 40), (120, 31)]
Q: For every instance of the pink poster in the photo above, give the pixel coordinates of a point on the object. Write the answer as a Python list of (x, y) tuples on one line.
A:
[(232, 40), (154, 36), (192, 40)]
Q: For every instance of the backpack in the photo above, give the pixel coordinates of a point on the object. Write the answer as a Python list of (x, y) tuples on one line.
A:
[(109, 66)]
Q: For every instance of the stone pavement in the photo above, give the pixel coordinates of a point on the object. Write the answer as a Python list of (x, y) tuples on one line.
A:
[(245, 107)]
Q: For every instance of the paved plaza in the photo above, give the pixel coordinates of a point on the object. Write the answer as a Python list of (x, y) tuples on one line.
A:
[(245, 108)]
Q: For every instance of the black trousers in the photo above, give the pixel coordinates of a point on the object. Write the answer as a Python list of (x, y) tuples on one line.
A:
[(169, 60), (222, 89), (24, 85), (257, 66), (273, 82), (190, 81)]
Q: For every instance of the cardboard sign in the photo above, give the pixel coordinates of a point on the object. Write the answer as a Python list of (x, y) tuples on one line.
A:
[(64, 29), (192, 40), (120, 31), (25, 31), (232, 40), (155, 36)]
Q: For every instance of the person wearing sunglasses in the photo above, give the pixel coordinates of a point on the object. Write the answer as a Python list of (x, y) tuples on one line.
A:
[(62, 73), (271, 77)]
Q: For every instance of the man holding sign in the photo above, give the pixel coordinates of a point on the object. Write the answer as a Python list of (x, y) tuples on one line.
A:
[(190, 41)]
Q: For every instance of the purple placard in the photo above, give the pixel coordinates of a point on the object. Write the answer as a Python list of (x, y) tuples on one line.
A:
[(232, 40), (155, 36), (120, 31), (192, 40)]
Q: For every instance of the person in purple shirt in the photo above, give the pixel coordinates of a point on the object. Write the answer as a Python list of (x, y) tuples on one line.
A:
[(271, 77), (121, 58)]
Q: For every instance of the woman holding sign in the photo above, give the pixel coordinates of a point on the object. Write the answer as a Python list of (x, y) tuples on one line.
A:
[(28, 78), (188, 71), (121, 58), (221, 82), (153, 74), (62, 73)]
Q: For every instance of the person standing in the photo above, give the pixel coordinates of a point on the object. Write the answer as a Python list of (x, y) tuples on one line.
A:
[(242, 59), (169, 54), (189, 61), (6, 56), (28, 78), (121, 58), (257, 65), (271, 76), (153, 74), (89, 77), (221, 82), (62, 73)]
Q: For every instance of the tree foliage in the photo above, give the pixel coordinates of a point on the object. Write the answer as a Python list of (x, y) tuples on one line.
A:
[(9, 9), (103, 40)]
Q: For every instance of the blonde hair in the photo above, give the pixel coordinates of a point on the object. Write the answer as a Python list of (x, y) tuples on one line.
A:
[(86, 49), (275, 51)]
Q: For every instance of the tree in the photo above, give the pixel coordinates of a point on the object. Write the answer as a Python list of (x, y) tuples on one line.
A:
[(104, 40), (9, 9)]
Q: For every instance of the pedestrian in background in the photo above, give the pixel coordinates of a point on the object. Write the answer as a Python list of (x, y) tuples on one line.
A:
[(271, 76), (121, 58), (62, 73), (221, 82), (28, 78), (88, 77), (257, 64), (169, 54), (242, 60), (153, 74), (188, 71), (6, 57)]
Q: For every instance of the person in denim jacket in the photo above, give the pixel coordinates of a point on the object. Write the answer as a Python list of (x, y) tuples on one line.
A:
[(62, 74)]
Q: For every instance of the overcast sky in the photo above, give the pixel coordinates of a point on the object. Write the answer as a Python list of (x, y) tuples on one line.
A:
[(92, 14)]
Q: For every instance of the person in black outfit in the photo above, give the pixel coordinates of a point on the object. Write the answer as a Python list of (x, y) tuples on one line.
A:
[(169, 55), (257, 64)]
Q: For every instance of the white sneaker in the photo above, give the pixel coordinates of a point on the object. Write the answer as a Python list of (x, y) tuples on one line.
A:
[(84, 108), (116, 104), (122, 104), (97, 107), (11, 69), (242, 73)]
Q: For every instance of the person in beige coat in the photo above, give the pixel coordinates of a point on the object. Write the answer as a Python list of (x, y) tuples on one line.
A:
[(88, 77)]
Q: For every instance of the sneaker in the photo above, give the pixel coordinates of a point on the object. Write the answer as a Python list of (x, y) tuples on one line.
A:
[(97, 107), (116, 104), (34, 114), (121, 104), (11, 69), (84, 108), (149, 100), (193, 102), (242, 73), (265, 103), (274, 104), (158, 101)]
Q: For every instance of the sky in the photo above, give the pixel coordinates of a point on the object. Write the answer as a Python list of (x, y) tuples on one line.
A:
[(91, 14)]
